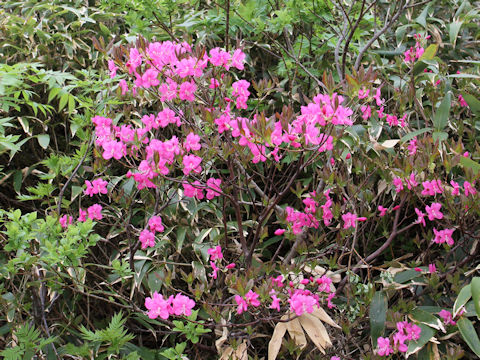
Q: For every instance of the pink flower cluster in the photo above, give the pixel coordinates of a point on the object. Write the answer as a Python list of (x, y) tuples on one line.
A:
[(147, 237), (250, 299), (178, 305), (97, 186), (94, 212), (415, 52), (406, 331)]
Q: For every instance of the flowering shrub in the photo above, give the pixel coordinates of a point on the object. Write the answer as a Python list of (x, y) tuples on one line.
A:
[(210, 205)]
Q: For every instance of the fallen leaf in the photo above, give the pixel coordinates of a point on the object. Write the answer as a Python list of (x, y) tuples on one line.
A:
[(296, 332), (322, 315), (276, 341), (316, 331)]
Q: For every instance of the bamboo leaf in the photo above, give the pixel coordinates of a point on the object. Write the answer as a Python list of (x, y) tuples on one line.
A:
[(378, 316), (469, 334)]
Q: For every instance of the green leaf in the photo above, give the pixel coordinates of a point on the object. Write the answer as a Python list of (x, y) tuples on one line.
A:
[(63, 101), (71, 103), (378, 316), (43, 140), (422, 18), (464, 76), (469, 163), (469, 334), (427, 318), (476, 294), (181, 232), (440, 120), (411, 135), (425, 336), (473, 103), (462, 298), (453, 30), (439, 136), (428, 55)]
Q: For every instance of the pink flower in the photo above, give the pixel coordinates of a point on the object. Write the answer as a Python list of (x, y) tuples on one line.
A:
[(366, 111), (113, 68), (384, 348), (383, 210), (150, 78), (252, 298), (350, 220), (123, 86), (456, 188), (238, 58), (300, 303), (95, 212), (412, 146), (214, 83), (66, 220), (187, 90), (191, 191), (399, 342), (462, 101), (447, 317), (214, 270), (411, 181), (324, 283), (191, 163), (330, 296), (432, 268), (278, 281), (398, 183), (97, 186), (158, 306), (421, 217), (434, 212), (182, 305), (279, 232), (155, 224), (443, 236), (215, 253), (230, 266), (335, 358), (275, 301), (363, 93), (147, 238), (469, 188), (242, 304), (214, 188), (192, 142), (82, 217)]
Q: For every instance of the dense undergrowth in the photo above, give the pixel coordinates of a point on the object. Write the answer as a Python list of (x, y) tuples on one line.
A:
[(239, 179)]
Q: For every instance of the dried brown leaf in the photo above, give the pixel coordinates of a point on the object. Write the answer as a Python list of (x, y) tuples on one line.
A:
[(296, 332), (322, 315), (276, 341), (316, 331)]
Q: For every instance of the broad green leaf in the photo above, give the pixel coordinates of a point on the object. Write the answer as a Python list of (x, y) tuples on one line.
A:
[(378, 316), (427, 318), (469, 334), (422, 18), (181, 232), (439, 136), (43, 140), (404, 276), (473, 103), (411, 135), (453, 30), (63, 101), (476, 294), (469, 163), (464, 76), (440, 120), (71, 103), (425, 336), (53, 93), (428, 55), (462, 298)]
